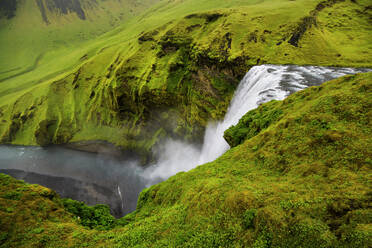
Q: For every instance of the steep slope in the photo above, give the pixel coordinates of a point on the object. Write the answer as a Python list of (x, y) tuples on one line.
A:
[(41, 215), (298, 176), (173, 68), (300, 179), (30, 30)]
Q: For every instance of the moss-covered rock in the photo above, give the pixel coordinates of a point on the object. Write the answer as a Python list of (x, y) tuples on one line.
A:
[(298, 172), (298, 176), (171, 74)]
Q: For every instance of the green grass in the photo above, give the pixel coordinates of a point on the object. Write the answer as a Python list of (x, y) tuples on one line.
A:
[(302, 180), (165, 71), (27, 35), (298, 175)]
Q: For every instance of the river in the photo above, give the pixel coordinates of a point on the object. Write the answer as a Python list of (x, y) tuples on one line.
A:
[(117, 181)]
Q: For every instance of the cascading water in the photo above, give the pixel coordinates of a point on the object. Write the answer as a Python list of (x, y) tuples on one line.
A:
[(262, 84), (125, 179), (121, 198)]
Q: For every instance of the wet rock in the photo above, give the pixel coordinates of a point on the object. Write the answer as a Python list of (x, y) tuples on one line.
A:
[(96, 146), (45, 133), (89, 193), (8, 8)]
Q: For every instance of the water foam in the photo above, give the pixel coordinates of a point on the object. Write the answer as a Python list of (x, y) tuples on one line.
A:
[(261, 84)]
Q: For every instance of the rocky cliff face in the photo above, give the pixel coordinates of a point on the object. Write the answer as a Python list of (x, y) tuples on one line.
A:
[(168, 75), (64, 7), (8, 8), (46, 7), (301, 180), (89, 193)]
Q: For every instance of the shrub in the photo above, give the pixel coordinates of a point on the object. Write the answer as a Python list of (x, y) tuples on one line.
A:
[(248, 218), (97, 216), (12, 195)]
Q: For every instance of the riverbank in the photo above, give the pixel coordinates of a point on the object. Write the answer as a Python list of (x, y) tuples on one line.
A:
[(297, 180), (195, 57)]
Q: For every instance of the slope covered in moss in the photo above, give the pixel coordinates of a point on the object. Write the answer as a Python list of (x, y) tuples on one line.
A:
[(171, 69), (34, 32), (298, 176), (301, 180), (32, 215)]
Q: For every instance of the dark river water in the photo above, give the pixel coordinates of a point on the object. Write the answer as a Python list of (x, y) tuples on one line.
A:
[(118, 180), (89, 177)]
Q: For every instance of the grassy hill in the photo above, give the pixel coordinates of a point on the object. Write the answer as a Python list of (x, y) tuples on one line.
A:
[(298, 176), (165, 71), (34, 32)]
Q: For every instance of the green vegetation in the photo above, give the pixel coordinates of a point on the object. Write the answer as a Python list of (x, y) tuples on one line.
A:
[(31, 215), (34, 216), (133, 72), (98, 216), (164, 70), (298, 176), (32, 37)]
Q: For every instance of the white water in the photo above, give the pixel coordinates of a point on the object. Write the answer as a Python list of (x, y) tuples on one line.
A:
[(174, 157), (261, 84), (121, 198)]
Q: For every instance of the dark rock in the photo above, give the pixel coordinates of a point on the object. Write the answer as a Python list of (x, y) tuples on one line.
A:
[(209, 17), (89, 193), (305, 24), (44, 134), (97, 146), (61, 7), (40, 4), (8, 8)]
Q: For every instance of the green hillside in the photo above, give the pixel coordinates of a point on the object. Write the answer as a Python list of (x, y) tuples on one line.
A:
[(298, 176), (164, 71), (35, 32)]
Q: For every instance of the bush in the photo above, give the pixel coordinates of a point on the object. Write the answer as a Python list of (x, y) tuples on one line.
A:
[(97, 216), (12, 195), (248, 218)]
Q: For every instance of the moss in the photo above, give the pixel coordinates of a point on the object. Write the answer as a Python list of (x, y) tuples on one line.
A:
[(98, 216), (44, 134), (253, 123), (249, 217), (302, 180), (195, 56), (284, 200), (33, 216), (305, 24)]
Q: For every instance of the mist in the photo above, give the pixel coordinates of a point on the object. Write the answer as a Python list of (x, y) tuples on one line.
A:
[(120, 176), (174, 156), (123, 176)]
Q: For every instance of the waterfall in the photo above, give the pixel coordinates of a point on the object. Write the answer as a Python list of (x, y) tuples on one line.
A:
[(125, 179), (262, 84), (121, 198)]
